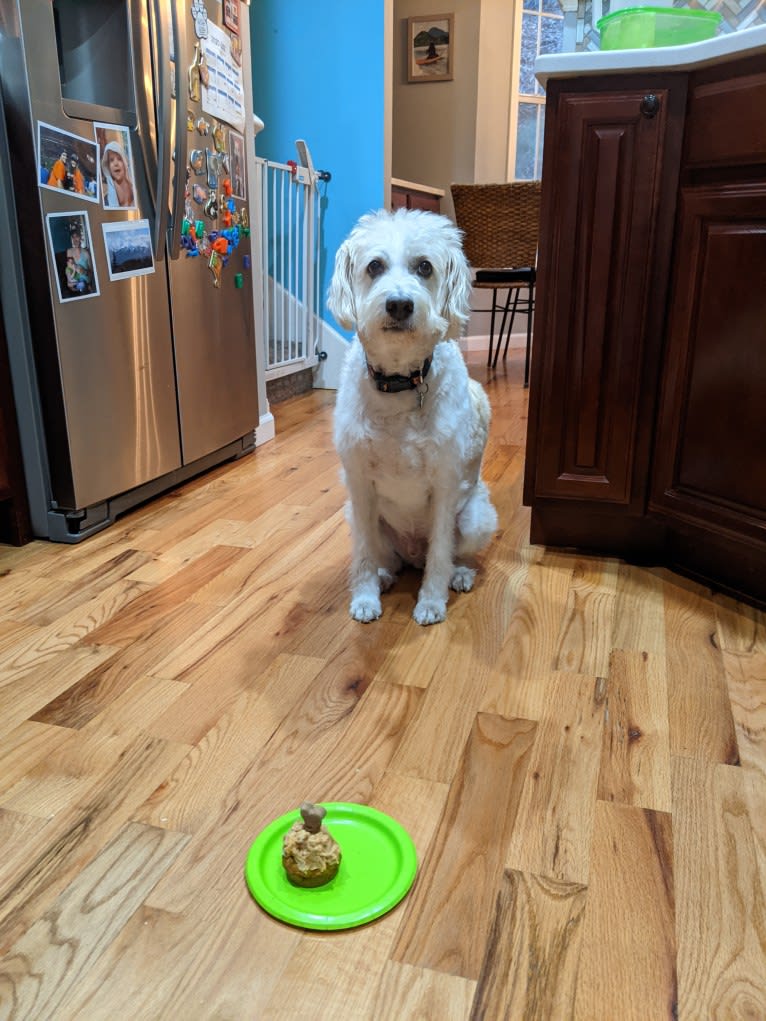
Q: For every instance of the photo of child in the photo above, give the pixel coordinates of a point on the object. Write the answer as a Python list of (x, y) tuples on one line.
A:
[(117, 175), (72, 255), (77, 279)]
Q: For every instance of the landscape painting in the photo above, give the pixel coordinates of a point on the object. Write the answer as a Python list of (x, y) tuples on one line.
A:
[(128, 249), (430, 48)]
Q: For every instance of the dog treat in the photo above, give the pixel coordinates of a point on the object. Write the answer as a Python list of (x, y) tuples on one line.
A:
[(310, 856)]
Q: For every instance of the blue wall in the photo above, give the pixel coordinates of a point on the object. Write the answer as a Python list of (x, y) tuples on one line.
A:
[(318, 74)]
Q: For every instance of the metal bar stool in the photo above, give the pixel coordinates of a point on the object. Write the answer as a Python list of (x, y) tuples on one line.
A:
[(500, 224)]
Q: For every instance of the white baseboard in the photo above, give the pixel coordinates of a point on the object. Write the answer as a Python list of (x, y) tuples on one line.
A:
[(479, 343), (265, 430)]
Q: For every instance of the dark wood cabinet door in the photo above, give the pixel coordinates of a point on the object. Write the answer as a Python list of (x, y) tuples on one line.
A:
[(411, 198), (610, 171), (710, 461)]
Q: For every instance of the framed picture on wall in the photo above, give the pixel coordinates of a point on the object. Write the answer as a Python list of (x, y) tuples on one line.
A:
[(430, 48)]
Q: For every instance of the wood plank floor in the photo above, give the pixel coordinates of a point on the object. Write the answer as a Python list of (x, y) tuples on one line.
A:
[(579, 753)]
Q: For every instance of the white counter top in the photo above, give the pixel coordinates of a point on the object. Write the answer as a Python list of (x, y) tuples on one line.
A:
[(722, 48)]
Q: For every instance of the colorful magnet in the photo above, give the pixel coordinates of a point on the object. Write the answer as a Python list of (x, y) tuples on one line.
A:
[(246, 261), (219, 138), (238, 280), (204, 74), (203, 128), (231, 15), (243, 220), (212, 169), (189, 121), (194, 75), (199, 13), (216, 265), (197, 161), (199, 227), (199, 194), (226, 185), (211, 207)]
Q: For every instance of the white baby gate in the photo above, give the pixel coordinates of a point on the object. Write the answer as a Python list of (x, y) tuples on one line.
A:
[(289, 212)]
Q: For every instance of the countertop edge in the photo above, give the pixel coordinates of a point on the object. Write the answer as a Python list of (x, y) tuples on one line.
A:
[(721, 49)]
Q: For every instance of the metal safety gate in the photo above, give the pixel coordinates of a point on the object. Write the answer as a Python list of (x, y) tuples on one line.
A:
[(290, 214)]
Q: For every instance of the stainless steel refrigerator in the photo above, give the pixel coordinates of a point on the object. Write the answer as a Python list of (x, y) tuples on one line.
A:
[(126, 276)]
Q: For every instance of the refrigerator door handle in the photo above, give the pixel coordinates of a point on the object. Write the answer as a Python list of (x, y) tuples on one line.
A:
[(179, 173), (162, 66), (142, 59)]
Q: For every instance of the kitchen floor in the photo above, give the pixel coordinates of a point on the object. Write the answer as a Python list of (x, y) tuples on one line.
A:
[(578, 752)]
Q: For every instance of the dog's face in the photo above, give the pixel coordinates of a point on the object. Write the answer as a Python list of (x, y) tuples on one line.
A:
[(402, 281)]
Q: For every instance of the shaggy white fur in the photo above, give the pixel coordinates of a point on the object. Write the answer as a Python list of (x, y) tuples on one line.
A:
[(411, 459)]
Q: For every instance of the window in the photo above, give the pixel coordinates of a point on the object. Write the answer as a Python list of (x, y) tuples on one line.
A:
[(540, 27)]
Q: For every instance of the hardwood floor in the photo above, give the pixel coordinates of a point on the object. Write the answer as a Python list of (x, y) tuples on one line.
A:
[(579, 754)]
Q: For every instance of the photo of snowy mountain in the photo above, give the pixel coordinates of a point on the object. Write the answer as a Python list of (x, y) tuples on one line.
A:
[(128, 248)]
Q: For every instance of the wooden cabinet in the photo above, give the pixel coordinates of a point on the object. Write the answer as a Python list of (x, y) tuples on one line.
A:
[(603, 274), (648, 393), (406, 195), (710, 463)]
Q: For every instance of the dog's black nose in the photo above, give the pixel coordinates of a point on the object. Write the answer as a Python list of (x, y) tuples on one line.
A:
[(400, 308)]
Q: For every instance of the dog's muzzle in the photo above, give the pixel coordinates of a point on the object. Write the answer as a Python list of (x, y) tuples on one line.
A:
[(399, 309)]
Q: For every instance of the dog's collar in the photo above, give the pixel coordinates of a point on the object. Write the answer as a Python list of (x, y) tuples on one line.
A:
[(396, 384)]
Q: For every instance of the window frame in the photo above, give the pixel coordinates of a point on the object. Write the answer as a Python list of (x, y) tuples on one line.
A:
[(517, 96)]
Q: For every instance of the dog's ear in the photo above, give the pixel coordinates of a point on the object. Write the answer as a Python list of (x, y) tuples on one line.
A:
[(340, 295), (457, 291)]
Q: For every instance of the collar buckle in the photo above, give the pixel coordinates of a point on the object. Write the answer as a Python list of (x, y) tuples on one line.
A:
[(397, 383)]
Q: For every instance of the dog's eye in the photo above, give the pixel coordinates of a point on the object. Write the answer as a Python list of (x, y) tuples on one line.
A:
[(375, 268), (425, 269)]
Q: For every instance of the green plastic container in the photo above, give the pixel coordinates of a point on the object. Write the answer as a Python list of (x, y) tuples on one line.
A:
[(640, 28)]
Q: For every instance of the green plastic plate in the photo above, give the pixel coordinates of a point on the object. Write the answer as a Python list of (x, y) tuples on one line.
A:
[(377, 868)]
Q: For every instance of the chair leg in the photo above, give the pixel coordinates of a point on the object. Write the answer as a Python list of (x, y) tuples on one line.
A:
[(530, 310), (492, 327), (516, 293), (506, 307)]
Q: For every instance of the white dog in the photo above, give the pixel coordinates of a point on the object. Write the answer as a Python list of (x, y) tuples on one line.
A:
[(410, 425)]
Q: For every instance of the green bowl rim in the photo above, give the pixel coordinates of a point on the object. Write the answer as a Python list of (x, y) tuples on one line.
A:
[(682, 11)]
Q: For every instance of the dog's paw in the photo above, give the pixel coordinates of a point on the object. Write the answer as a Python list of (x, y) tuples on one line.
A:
[(386, 578), (365, 608), (430, 611), (462, 579)]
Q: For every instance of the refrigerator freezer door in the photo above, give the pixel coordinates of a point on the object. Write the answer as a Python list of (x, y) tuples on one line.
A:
[(105, 362), (213, 326)]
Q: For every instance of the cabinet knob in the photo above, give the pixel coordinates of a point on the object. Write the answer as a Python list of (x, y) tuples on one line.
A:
[(650, 105)]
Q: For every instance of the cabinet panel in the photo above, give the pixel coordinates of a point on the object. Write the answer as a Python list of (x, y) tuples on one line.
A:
[(600, 283), (710, 464), (412, 198), (726, 123)]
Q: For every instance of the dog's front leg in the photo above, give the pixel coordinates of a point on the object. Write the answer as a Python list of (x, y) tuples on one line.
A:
[(367, 554), (431, 606)]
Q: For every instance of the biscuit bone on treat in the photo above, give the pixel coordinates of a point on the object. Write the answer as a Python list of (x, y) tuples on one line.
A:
[(312, 816), (310, 855)]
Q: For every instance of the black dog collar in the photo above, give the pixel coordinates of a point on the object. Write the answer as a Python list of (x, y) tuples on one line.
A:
[(396, 384)]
